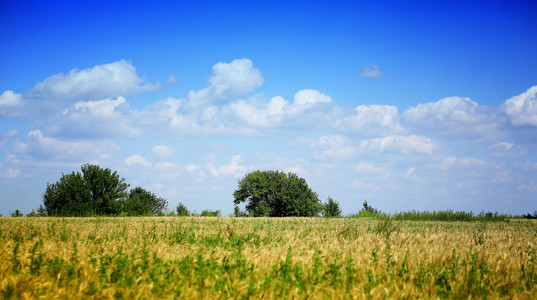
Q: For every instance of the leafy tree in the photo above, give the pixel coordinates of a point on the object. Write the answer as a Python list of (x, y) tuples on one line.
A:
[(238, 213), (41, 211), (210, 213), (141, 202), (277, 194), (17, 213), (182, 211), (105, 187), (331, 208), (369, 208), (32, 214), (95, 191)]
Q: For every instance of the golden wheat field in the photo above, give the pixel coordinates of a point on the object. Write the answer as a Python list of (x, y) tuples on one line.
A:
[(195, 257)]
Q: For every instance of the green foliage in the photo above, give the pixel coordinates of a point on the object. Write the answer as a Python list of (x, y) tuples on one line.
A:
[(181, 210), (95, 191), (331, 208), (210, 213), (142, 203), (237, 213), (277, 194), (450, 215), (32, 214), (369, 208), (17, 213)]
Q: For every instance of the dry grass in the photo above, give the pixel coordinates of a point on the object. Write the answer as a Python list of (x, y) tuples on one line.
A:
[(173, 257)]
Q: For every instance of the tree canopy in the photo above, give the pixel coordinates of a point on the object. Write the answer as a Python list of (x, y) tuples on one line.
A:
[(98, 191), (142, 202), (277, 194)]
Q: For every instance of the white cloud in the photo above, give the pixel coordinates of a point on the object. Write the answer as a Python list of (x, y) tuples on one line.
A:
[(259, 115), (163, 152), (400, 144), (465, 162), (307, 98), (195, 171), (93, 119), (167, 170), (234, 168), (12, 133), (455, 117), (309, 108), (335, 147), (171, 79), (372, 120), (40, 147), (371, 70), (11, 104), (530, 187), (101, 81), (137, 160), (370, 168), (233, 79), (522, 109), (503, 150)]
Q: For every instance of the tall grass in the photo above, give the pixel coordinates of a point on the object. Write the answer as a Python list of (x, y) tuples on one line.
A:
[(188, 257)]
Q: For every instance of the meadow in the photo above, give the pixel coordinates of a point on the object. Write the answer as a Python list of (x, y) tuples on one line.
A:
[(215, 257)]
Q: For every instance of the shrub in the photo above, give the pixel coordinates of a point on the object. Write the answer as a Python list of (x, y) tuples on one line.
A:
[(210, 213), (181, 210), (331, 208)]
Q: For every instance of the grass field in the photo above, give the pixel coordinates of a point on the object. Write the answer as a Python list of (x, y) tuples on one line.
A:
[(195, 257)]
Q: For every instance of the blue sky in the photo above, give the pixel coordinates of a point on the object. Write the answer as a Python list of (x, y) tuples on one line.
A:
[(421, 105)]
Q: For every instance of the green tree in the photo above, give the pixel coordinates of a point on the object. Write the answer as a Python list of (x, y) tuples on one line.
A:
[(181, 210), (277, 194), (331, 208), (210, 213), (95, 191), (369, 208), (141, 202), (17, 213)]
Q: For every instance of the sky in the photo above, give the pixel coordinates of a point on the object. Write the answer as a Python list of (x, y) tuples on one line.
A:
[(410, 105)]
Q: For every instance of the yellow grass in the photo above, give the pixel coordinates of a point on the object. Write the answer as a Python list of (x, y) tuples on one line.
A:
[(173, 257)]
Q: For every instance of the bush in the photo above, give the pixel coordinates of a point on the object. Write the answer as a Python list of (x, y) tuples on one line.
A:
[(16, 214), (181, 210), (368, 208), (209, 213), (142, 203), (331, 208)]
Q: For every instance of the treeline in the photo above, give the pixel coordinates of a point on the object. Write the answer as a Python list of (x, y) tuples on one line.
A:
[(100, 192)]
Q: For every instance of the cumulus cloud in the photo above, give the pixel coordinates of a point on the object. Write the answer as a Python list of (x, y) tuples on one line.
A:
[(11, 104), (371, 120), (335, 147), (462, 162), (163, 152), (400, 144), (195, 171), (109, 117), (522, 109), (137, 160), (233, 79), (504, 150), (455, 117), (234, 168), (370, 168), (39, 146), (101, 81), (371, 70), (309, 108)]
